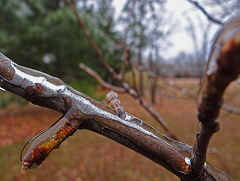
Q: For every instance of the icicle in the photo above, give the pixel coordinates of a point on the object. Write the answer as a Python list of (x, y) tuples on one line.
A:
[(39, 147)]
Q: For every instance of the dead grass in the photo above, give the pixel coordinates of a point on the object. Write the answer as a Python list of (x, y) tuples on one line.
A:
[(90, 157)]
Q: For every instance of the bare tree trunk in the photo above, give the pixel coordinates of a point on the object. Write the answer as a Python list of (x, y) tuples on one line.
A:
[(153, 90), (141, 86), (141, 44), (153, 79)]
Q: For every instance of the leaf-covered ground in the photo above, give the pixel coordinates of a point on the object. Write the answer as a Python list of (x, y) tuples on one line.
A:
[(91, 157)]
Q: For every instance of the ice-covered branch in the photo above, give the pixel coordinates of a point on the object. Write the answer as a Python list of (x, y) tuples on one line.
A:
[(116, 76), (82, 112), (126, 88), (223, 68)]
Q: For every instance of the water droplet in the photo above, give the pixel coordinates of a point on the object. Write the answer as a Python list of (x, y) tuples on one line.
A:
[(187, 160)]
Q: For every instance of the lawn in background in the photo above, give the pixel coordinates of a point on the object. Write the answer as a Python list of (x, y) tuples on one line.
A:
[(90, 157)]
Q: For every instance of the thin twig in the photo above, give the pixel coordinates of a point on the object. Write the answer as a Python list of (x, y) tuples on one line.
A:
[(100, 80), (134, 94), (195, 3), (185, 91), (127, 88), (87, 34)]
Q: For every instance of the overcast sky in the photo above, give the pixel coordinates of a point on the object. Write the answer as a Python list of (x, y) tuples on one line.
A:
[(181, 41), (180, 9)]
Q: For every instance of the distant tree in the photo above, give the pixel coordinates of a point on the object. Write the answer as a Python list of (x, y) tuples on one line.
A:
[(46, 35), (145, 22)]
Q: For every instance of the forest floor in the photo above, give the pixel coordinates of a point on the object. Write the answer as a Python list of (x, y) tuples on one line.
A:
[(87, 156)]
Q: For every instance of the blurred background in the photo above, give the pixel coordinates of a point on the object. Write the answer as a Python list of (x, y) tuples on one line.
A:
[(171, 39)]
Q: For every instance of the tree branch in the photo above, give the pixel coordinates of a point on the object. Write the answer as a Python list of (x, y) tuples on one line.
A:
[(87, 34), (223, 68), (134, 94), (83, 112), (184, 91), (195, 3), (100, 80), (120, 76)]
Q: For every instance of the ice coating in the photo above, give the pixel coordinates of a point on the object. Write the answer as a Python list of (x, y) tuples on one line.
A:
[(113, 100), (43, 137), (39, 147), (228, 36)]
